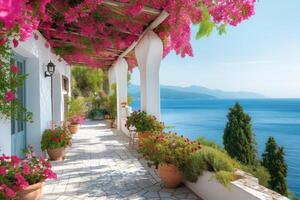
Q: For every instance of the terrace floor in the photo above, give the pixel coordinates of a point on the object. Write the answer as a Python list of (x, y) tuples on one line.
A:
[(100, 165)]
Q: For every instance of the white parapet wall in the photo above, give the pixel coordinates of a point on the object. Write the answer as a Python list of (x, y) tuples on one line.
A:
[(246, 188)]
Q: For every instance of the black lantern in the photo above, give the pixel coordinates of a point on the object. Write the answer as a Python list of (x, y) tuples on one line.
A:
[(50, 69)]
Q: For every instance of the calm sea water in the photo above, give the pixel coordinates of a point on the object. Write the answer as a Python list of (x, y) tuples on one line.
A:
[(278, 118)]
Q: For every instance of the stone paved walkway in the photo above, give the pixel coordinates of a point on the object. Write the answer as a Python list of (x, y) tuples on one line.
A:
[(100, 165)]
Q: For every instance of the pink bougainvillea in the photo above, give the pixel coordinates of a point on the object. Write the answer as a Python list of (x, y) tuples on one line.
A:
[(92, 34), (9, 96)]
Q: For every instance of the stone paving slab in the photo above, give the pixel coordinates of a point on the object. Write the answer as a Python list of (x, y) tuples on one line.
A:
[(101, 166)]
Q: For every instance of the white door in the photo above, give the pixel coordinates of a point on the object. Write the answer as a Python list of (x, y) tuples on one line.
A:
[(18, 127)]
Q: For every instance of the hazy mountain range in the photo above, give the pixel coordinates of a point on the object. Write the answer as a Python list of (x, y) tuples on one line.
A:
[(195, 92)]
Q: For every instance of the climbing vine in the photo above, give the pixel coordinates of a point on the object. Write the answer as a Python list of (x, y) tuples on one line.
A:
[(10, 81)]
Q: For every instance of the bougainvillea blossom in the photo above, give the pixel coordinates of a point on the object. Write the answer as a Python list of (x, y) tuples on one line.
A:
[(77, 30)]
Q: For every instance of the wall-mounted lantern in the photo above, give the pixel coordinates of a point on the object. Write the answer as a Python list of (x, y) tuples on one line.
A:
[(50, 69)]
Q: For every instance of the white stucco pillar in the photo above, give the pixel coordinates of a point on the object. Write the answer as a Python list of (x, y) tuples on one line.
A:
[(149, 53), (111, 77), (121, 69)]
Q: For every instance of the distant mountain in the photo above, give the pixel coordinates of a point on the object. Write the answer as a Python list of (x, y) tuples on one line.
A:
[(166, 93), (195, 92)]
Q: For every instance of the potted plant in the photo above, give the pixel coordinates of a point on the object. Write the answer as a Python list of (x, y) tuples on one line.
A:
[(111, 106), (75, 114), (144, 124), (23, 178), (74, 122), (55, 142), (170, 153)]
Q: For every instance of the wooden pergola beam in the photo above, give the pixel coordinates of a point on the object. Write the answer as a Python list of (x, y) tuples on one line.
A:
[(146, 9), (163, 15), (110, 50)]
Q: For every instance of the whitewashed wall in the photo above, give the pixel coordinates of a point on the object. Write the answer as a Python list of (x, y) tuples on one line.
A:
[(38, 91), (247, 188), (5, 136)]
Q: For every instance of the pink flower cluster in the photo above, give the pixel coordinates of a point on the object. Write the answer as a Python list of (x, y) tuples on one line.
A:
[(21, 14), (88, 32), (77, 119), (17, 174)]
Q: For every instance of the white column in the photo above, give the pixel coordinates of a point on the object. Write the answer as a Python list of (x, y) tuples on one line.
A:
[(121, 69), (149, 53), (58, 102), (111, 77)]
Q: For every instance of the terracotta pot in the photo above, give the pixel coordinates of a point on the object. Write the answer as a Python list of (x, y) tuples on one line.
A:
[(56, 154), (170, 175), (111, 123), (33, 192), (143, 135), (73, 128)]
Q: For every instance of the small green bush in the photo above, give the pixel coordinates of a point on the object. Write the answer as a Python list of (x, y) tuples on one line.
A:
[(75, 107), (209, 143), (212, 160), (225, 177), (97, 114), (217, 157)]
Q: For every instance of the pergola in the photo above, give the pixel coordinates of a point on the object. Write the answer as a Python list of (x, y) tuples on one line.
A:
[(117, 35), (98, 41), (142, 45)]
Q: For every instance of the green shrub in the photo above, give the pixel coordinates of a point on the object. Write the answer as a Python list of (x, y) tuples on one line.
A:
[(224, 177), (223, 162), (209, 143), (75, 107), (97, 114), (259, 172), (111, 104), (213, 160)]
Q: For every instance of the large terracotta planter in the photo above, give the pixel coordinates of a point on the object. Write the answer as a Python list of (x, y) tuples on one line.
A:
[(56, 154), (170, 175), (73, 128), (143, 135), (33, 192)]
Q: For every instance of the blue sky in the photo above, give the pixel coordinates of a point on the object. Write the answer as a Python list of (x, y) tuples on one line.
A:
[(260, 55)]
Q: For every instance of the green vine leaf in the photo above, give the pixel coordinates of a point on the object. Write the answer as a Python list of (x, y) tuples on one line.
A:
[(206, 26)]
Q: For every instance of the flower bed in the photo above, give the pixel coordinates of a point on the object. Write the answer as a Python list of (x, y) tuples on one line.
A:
[(18, 174)]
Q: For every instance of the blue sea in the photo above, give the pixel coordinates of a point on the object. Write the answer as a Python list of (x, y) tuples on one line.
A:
[(279, 118)]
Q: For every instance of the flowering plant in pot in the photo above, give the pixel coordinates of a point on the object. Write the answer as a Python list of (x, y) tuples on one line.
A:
[(74, 122), (75, 114), (55, 141), (23, 178), (170, 153), (144, 124), (111, 106)]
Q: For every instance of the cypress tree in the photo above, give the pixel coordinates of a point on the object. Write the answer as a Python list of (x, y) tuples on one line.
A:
[(273, 160), (238, 138)]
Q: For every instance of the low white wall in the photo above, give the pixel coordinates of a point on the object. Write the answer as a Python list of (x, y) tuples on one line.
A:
[(208, 188), (5, 137)]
